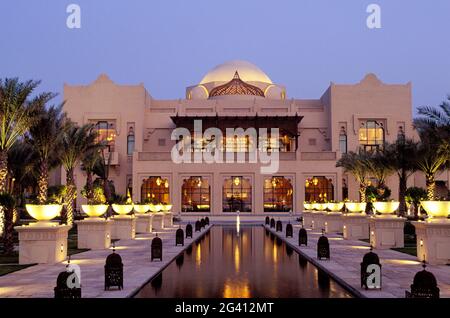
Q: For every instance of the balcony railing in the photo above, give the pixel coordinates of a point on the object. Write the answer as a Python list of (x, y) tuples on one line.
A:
[(166, 156), (323, 155)]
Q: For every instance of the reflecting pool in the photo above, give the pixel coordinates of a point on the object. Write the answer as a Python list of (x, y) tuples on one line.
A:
[(251, 262)]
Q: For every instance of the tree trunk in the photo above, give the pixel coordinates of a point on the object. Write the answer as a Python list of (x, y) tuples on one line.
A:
[(3, 169), (401, 194), (107, 193), (8, 242), (362, 192), (431, 186), (89, 187), (43, 182), (67, 218)]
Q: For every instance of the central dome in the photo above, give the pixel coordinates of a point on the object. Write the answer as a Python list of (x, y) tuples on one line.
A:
[(248, 72)]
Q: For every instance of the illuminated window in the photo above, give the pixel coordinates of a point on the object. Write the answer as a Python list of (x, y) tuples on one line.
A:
[(371, 135), (343, 141), (269, 144), (278, 194), (237, 194), (107, 132), (319, 189), (130, 142), (155, 190), (237, 143), (195, 195)]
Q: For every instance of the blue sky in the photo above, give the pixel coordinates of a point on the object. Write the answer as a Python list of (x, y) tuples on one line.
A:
[(168, 45)]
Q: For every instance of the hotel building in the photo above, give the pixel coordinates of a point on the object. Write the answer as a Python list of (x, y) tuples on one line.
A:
[(313, 134)]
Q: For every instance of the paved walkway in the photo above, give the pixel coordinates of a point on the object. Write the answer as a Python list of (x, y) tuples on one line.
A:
[(39, 280), (398, 269)]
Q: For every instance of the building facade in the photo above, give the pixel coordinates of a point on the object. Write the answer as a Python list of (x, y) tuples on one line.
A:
[(313, 134)]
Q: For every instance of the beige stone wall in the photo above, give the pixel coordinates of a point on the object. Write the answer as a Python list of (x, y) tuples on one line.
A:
[(318, 133)]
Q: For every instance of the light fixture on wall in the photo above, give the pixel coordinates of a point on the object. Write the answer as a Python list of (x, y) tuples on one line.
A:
[(237, 181), (166, 183), (158, 181), (315, 181)]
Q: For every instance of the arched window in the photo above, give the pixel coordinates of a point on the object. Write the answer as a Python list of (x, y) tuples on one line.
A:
[(237, 194), (106, 132), (319, 189), (371, 135), (401, 134), (195, 195), (130, 142), (155, 190), (278, 194), (343, 141)]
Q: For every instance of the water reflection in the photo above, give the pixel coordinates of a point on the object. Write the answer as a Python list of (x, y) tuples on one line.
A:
[(253, 264)]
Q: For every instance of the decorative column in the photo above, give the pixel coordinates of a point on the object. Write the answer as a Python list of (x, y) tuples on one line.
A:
[(158, 221), (387, 231), (318, 220), (333, 222), (144, 223), (94, 233), (42, 244), (355, 226), (307, 219), (123, 227), (433, 241)]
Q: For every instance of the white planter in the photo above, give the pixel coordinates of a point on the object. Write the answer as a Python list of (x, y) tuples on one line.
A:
[(436, 209), (94, 210), (43, 213), (386, 208), (122, 209)]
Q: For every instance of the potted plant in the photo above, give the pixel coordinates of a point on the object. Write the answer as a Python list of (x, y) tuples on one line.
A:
[(386, 207), (122, 205), (335, 206), (96, 206), (436, 209), (43, 213), (141, 207), (355, 207)]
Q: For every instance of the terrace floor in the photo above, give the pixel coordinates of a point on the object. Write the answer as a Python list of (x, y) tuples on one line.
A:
[(38, 281), (398, 269)]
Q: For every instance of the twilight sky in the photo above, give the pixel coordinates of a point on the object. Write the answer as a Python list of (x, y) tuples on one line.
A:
[(168, 45)]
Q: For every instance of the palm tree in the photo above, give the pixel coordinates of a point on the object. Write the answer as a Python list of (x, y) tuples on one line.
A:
[(89, 161), (15, 109), (378, 165), (401, 157), (101, 169), (434, 120), (43, 137), (75, 142), (431, 159), (355, 163), (433, 125), (7, 203)]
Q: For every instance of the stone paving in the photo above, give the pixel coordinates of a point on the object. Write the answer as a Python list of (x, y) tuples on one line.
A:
[(39, 280), (398, 269)]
